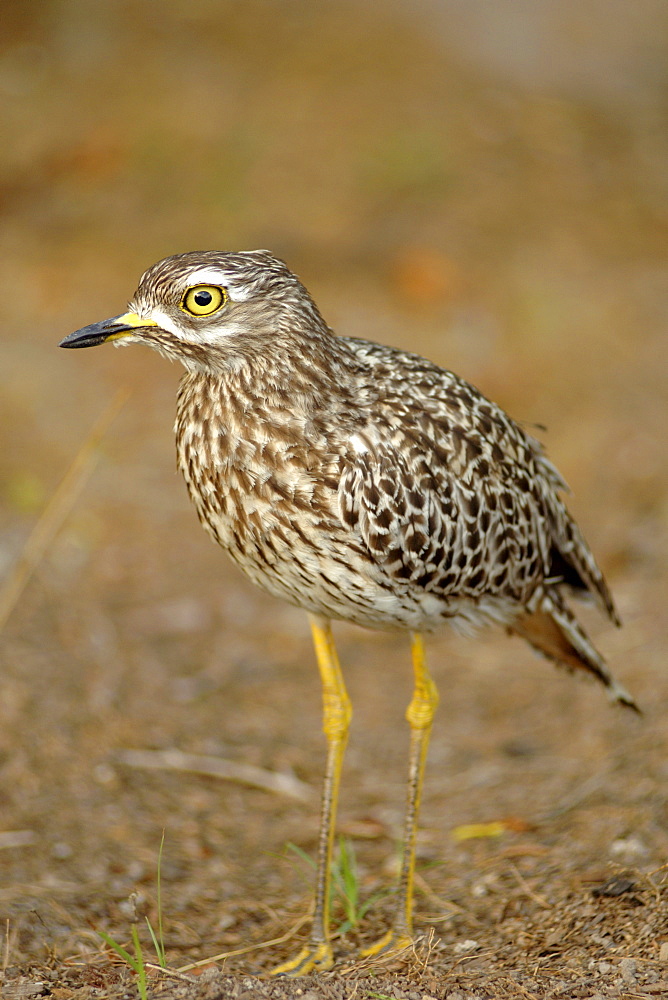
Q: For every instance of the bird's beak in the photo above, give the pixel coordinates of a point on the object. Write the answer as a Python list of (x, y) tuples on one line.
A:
[(107, 329)]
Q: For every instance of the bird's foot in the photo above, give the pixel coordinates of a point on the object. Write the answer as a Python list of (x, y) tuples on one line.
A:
[(312, 958), (390, 945)]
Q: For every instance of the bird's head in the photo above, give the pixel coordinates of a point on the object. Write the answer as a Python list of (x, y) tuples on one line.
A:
[(203, 308)]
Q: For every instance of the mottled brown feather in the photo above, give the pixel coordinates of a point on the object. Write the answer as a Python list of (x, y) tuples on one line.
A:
[(362, 482)]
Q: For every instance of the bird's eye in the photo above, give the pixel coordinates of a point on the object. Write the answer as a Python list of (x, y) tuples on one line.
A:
[(203, 300)]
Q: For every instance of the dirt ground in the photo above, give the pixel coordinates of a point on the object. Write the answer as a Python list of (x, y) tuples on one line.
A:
[(488, 190)]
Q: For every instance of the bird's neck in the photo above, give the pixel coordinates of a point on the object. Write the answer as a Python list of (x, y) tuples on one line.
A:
[(287, 375)]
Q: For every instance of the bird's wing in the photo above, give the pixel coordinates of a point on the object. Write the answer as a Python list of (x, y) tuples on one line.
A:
[(448, 492), (479, 473), (405, 524), (432, 510)]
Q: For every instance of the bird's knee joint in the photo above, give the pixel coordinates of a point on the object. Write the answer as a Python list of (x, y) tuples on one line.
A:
[(420, 713), (420, 716)]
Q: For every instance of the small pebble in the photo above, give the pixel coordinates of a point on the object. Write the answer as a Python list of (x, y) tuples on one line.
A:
[(628, 967), (463, 947), (630, 848)]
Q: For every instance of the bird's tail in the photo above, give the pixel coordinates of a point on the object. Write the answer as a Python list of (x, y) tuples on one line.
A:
[(553, 630)]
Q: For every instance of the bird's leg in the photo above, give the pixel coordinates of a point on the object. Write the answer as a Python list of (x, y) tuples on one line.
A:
[(420, 714), (336, 720)]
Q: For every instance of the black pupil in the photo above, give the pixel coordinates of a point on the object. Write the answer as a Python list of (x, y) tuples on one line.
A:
[(203, 298)]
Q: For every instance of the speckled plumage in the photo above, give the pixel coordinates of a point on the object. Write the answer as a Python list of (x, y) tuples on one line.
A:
[(362, 482)]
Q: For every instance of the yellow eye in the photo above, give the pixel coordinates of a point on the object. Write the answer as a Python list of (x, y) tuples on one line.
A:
[(204, 300)]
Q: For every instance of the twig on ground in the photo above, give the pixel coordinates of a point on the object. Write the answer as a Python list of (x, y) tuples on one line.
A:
[(217, 767), (164, 970)]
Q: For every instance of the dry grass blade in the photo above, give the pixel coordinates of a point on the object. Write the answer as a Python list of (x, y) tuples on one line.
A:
[(442, 904), (218, 767), (251, 947), (527, 890), (398, 958), (57, 509), (159, 970)]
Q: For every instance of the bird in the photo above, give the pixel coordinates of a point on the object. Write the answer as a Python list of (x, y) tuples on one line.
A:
[(360, 483)]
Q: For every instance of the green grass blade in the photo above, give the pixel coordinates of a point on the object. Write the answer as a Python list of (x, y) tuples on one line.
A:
[(120, 950), (346, 882), (160, 944), (156, 944), (301, 854), (140, 967)]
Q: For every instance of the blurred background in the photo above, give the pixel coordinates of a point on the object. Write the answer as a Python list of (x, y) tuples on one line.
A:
[(485, 184)]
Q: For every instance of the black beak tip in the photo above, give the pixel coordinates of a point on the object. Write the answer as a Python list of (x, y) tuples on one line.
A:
[(88, 336), (91, 336), (66, 342)]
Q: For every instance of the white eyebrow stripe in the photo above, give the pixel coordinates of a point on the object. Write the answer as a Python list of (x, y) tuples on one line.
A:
[(216, 276), (208, 276)]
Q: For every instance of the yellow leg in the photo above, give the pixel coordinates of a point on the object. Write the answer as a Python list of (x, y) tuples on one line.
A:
[(317, 955), (420, 714)]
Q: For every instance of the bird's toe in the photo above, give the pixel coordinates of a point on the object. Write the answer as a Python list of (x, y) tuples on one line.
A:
[(312, 958), (391, 945)]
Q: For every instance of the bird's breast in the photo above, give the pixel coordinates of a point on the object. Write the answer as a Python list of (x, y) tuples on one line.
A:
[(258, 490)]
